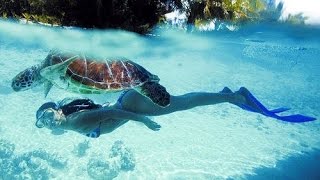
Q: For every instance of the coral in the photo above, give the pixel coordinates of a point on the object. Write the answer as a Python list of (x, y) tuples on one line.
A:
[(6, 152), (31, 165), (103, 169), (6, 149), (53, 160), (120, 158), (81, 149), (127, 159)]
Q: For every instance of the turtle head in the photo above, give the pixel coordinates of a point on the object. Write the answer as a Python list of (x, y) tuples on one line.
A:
[(26, 79)]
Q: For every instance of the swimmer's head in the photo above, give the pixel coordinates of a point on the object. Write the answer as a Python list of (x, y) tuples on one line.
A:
[(48, 116)]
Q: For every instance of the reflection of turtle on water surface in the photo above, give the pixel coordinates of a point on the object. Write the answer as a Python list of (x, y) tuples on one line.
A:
[(81, 74)]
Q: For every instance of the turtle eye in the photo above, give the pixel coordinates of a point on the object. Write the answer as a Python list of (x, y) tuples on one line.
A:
[(26, 78)]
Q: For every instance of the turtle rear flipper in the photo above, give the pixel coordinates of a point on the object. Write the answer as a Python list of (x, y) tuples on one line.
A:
[(156, 93)]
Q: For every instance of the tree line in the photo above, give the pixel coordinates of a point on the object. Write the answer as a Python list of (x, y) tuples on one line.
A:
[(138, 15)]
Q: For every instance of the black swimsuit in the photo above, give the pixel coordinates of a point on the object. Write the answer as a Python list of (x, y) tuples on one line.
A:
[(78, 105)]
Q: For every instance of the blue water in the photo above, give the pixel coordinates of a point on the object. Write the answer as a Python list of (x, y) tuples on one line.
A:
[(278, 63)]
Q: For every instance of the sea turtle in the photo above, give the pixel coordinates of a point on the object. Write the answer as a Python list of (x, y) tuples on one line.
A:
[(81, 74)]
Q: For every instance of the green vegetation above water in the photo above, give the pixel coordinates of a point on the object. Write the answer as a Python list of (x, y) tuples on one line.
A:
[(132, 15), (141, 15)]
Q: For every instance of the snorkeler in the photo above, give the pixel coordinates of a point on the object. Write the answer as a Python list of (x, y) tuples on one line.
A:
[(86, 117)]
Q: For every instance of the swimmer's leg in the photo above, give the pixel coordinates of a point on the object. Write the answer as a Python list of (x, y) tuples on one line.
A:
[(135, 102)]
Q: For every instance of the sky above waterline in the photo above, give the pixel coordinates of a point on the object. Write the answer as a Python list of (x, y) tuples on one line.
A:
[(309, 8)]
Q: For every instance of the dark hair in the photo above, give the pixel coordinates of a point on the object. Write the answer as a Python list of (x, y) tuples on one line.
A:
[(78, 105)]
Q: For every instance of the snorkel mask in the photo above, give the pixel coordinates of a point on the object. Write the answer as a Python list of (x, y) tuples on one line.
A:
[(46, 116)]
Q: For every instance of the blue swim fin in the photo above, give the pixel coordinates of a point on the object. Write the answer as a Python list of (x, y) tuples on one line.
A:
[(258, 107), (294, 118), (279, 110)]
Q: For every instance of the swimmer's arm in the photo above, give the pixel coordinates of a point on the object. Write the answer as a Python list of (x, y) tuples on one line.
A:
[(122, 114), (112, 113), (94, 117)]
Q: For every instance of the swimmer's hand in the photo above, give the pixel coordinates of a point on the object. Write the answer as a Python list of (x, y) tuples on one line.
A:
[(151, 124)]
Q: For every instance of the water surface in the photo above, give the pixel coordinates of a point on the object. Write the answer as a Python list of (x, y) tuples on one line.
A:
[(278, 63)]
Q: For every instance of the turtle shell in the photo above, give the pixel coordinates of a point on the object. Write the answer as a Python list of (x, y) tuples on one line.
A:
[(102, 74)]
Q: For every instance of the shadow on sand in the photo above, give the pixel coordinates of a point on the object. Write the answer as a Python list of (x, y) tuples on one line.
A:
[(305, 166)]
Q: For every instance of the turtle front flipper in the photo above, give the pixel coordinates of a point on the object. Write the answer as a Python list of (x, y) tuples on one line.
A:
[(51, 72), (47, 86), (55, 74), (156, 93)]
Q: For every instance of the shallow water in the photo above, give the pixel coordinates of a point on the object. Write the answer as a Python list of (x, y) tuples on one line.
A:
[(278, 63)]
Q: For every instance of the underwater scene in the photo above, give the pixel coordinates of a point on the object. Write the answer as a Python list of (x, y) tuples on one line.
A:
[(278, 63)]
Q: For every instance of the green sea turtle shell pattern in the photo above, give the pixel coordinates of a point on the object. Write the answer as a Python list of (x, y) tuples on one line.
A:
[(94, 76)]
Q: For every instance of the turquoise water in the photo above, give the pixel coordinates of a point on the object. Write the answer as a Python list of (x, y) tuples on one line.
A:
[(278, 63)]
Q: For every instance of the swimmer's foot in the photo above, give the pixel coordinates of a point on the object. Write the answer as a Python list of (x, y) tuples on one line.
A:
[(226, 90), (250, 103)]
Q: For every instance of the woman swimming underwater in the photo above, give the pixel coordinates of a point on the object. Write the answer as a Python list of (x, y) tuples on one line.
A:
[(84, 116)]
